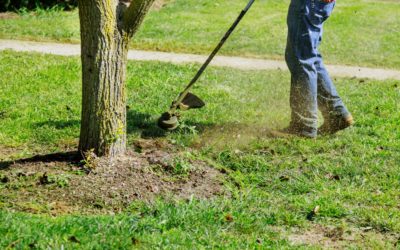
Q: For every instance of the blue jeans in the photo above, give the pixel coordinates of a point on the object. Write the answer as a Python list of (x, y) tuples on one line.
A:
[(311, 86)]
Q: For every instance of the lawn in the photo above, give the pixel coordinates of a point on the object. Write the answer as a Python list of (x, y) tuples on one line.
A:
[(275, 183), (360, 32)]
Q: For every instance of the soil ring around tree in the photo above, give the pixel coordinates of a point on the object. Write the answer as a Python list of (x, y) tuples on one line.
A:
[(60, 184)]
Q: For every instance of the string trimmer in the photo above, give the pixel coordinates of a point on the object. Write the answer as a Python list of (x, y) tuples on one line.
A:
[(186, 100)]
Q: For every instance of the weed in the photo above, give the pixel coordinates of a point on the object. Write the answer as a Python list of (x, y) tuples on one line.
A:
[(60, 180), (181, 166), (89, 161)]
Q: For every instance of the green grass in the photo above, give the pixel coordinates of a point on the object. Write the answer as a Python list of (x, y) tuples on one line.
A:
[(360, 32), (166, 226), (354, 177)]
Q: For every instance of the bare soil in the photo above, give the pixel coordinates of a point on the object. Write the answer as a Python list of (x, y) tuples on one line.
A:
[(6, 152), (8, 15), (59, 184), (340, 238), (159, 4)]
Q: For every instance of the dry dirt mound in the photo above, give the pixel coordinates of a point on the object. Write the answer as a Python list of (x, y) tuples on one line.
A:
[(63, 186)]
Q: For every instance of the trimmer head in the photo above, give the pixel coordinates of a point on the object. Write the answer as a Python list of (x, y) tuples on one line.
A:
[(168, 121), (187, 100)]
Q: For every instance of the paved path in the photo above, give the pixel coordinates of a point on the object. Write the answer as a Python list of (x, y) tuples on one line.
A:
[(222, 61)]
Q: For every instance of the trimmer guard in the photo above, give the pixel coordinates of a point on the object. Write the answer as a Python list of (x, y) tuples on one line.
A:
[(191, 101)]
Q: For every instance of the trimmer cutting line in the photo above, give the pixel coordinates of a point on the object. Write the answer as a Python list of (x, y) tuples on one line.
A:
[(186, 100)]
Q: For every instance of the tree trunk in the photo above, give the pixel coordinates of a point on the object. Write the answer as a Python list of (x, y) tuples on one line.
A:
[(106, 28)]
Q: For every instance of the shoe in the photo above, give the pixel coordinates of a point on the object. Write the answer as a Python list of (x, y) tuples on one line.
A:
[(291, 131), (331, 126)]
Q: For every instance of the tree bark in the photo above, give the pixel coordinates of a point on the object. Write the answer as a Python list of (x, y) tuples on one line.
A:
[(106, 28)]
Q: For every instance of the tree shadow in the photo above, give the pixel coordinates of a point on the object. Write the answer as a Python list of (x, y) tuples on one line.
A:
[(143, 124), (73, 157), (146, 125)]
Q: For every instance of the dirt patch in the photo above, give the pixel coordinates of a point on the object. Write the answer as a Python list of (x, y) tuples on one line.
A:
[(8, 15), (319, 236), (159, 4), (330, 237), (153, 170), (8, 152)]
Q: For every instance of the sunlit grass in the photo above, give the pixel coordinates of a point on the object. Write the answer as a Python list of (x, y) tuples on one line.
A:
[(275, 183), (360, 32)]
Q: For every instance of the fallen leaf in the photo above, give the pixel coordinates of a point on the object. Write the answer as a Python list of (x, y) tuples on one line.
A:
[(311, 215), (229, 217)]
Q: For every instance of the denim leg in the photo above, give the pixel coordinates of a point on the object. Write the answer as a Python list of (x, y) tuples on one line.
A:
[(305, 22), (329, 101), (300, 57)]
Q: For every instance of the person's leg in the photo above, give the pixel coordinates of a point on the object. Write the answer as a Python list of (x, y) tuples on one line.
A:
[(301, 56), (336, 116), (329, 101)]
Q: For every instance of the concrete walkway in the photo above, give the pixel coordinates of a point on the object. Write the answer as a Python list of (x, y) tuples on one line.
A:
[(221, 61)]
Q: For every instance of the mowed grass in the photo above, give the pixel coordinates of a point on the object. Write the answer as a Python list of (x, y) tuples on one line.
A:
[(353, 176), (360, 32)]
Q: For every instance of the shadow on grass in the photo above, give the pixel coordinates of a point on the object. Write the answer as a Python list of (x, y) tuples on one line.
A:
[(217, 135), (73, 157), (59, 124), (137, 123), (146, 126), (141, 123)]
